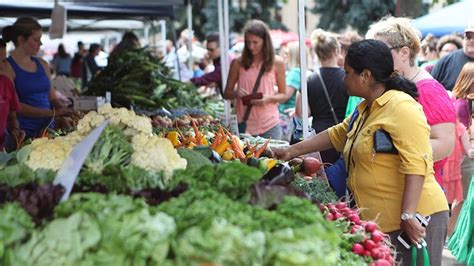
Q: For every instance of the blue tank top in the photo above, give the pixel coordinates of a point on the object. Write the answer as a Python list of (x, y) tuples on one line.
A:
[(32, 88)]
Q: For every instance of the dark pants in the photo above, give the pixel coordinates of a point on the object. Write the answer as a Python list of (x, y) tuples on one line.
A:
[(436, 233)]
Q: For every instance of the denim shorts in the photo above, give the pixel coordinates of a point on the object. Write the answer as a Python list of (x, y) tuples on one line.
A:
[(274, 132)]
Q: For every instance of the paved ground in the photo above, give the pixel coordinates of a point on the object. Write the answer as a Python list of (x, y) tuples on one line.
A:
[(449, 260)]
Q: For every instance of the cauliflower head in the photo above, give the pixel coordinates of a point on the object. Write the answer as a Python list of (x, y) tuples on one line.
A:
[(133, 124), (51, 153), (156, 154)]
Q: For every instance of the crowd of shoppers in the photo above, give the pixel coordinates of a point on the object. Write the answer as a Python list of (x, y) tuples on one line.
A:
[(417, 91)]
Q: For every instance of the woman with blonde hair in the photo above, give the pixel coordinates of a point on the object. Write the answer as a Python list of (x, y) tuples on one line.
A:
[(460, 242), (259, 115), (293, 86), (404, 43), (459, 168), (328, 49), (463, 92)]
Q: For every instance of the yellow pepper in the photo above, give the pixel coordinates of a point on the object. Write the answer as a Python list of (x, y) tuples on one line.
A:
[(173, 136), (204, 141), (228, 155), (271, 163), (220, 149)]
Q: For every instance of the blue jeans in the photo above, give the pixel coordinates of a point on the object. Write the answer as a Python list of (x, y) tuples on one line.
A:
[(274, 132)]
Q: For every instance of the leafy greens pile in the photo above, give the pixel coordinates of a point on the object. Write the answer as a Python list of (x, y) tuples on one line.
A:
[(94, 229), (135, 78), (205, 216)]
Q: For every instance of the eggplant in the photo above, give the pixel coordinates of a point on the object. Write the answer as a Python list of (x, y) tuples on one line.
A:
[(280, 174), (215, 157)]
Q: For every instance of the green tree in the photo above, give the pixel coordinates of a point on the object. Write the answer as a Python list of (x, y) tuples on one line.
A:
[(336, 15), (205, 16)]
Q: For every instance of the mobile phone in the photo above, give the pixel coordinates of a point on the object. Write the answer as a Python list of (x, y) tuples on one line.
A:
[(403, 238)]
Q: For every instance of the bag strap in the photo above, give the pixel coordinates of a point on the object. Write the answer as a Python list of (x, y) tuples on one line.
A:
[(254, 90), (326, 93), (414, 254), (353, 118)]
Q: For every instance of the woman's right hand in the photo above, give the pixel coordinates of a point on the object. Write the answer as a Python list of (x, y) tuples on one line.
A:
[(414, 230), (282, 153), (64, 111), (240, 92)]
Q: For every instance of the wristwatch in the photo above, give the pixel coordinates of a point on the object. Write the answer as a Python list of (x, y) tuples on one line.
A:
[(407, 216)]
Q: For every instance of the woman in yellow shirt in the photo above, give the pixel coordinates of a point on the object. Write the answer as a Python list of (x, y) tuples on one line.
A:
[(389, 187)]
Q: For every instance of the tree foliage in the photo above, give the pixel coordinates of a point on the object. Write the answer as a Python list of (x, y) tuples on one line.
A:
[(336, 15), (205, 16)]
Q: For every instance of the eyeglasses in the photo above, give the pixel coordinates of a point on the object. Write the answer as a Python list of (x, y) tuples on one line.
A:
[(469, 35), (396, 47)]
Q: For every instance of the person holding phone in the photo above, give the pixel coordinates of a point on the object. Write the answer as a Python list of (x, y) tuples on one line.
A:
[(388, 185), (264, 118)]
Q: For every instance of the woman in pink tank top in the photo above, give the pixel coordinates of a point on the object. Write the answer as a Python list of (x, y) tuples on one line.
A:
[(263, 119)]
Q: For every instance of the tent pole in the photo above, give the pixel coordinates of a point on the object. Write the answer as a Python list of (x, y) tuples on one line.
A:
[(163, 36), (190, 35), (304, 91), (175, 43), (224, 57), (146, 33)]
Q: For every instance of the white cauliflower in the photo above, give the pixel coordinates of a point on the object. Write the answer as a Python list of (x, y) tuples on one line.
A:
[(90, 121), (156, 154), (51, 153), (132, 123)]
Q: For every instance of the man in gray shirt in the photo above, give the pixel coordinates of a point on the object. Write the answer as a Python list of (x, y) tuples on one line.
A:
[(447, 70)]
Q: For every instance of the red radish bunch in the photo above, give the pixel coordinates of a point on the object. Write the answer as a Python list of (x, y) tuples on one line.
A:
[(374, 244)]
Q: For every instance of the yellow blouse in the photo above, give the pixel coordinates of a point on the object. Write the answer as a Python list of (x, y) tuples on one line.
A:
[(377, 179)]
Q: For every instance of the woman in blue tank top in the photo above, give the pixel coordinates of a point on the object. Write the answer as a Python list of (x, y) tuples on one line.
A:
[(39, 106)]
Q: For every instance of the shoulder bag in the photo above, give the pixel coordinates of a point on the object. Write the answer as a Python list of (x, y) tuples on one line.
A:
[(243, 125), (337, 172)]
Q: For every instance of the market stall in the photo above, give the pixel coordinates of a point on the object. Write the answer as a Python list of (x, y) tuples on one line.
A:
[(155, 179), (143, 199)]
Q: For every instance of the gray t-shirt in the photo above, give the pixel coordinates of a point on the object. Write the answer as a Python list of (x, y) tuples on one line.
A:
[(447, 70)]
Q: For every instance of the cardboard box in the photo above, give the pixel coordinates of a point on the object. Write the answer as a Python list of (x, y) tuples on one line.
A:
[(88, 103)]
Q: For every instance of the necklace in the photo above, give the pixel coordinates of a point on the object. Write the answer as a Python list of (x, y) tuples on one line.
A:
[(414, 76)]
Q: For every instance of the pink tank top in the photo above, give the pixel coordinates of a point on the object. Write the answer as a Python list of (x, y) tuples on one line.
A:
[(261, 118)]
